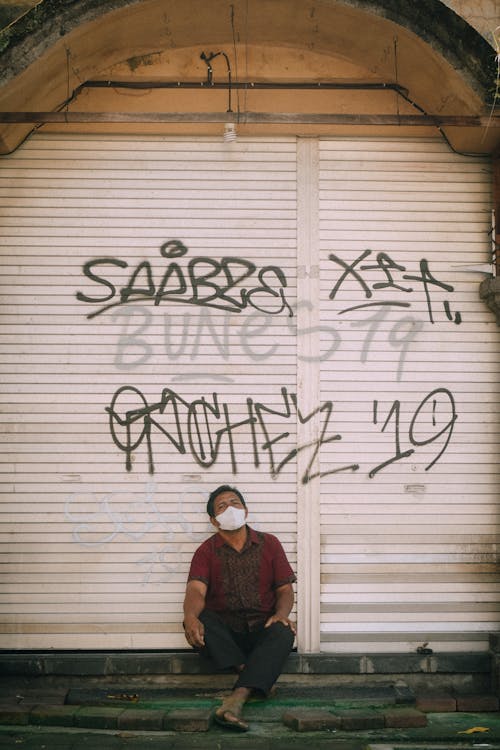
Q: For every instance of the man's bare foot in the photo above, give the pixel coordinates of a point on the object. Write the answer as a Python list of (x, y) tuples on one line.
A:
[(229, 714), (230, 720)]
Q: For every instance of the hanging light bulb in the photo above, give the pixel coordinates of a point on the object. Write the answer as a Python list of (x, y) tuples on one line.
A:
[(230, 134)]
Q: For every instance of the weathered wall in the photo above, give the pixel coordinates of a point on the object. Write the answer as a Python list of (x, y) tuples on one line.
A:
[(11, 10), (483, 15), (447, 67)]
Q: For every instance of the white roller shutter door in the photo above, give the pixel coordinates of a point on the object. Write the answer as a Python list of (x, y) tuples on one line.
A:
[(410, 532), (134, 385), (95, 555)]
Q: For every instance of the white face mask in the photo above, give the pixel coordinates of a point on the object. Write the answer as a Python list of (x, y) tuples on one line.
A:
[(232, 518)]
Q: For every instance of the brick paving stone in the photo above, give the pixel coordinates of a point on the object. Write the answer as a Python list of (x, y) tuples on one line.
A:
[(404, 718), (310, 720), (98, 717), (360, 719), (477, 703), (440, 704), (142, 719), (188, 720), (56, 716)]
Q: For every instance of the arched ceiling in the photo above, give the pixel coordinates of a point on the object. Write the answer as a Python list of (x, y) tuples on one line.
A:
[(446, 66)]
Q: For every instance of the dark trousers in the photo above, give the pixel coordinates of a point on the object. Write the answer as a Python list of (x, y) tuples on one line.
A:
[(263, 651)]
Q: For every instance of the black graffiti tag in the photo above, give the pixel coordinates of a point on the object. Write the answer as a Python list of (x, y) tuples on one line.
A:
[(204, 281), (425, 415), (202, 426), (389, 270)]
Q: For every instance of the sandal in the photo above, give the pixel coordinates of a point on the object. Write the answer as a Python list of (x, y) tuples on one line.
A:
[(236, 724)]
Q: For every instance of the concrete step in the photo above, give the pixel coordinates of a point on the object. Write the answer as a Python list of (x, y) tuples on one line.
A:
[(363, 695), (269, 719), (35, 714), (464, 671), (321, 696)]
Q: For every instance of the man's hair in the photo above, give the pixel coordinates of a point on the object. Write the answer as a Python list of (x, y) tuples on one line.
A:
[(215, 494)]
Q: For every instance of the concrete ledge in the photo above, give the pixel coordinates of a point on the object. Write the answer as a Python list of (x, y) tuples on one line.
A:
[(117, 695), (467, 662), (67, 663), (97, 717), (53, 716), (188, 720), (15, 714), (142, 719)]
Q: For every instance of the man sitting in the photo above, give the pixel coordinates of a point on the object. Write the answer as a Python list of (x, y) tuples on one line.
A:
[(238, 598)]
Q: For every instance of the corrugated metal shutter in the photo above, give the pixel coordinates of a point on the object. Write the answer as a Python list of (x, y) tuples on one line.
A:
[(410, 523), (191, 366), (153, 347)]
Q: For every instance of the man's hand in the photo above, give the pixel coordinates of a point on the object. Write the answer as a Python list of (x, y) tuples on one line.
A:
[(284, 604), (194, 631), (284, 621), (194, 604)]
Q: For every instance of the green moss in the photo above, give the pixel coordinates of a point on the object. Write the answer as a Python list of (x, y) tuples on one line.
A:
[(446, 32), (142, 60), (9, 13), (41, 18)]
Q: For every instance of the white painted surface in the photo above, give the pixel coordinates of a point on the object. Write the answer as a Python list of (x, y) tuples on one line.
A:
[(85, 541), (408, 555)]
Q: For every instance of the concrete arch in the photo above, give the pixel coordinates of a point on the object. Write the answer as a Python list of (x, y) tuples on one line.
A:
[(446, 65)]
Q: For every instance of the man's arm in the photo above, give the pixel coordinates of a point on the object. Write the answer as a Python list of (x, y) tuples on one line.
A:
[(194, 604), (284, 604)]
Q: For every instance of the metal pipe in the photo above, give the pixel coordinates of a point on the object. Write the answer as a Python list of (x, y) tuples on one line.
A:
[(246, 85), (326, 118)]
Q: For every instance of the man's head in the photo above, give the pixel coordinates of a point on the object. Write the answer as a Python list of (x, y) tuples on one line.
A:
[(231, 494), (226, 498)]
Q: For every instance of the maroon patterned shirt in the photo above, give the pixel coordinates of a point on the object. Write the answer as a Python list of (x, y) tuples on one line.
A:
[(242, 585)]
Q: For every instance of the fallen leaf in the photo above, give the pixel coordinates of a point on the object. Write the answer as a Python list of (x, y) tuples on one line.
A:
[(472, 730)]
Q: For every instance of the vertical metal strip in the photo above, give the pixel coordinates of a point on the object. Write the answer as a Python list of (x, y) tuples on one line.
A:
[(496, 212), (308, 395)]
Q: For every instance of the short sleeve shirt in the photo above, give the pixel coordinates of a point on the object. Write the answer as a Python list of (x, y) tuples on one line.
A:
[(242, 585)]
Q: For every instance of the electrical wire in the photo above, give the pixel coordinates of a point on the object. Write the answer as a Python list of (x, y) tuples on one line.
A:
[(235, 53), (230, 85), (396, 87)]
